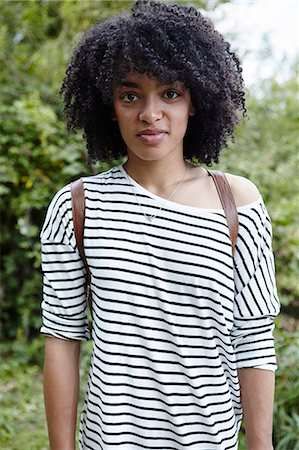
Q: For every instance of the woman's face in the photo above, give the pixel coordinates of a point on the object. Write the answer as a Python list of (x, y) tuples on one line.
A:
[(152, 118)]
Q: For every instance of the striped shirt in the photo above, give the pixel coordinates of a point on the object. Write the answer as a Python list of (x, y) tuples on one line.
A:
[(174, 314)]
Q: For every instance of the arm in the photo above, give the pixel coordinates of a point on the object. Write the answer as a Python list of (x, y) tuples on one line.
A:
[(257, 393), (61, 391)]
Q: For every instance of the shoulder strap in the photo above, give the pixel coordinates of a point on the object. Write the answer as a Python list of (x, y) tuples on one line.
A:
[(78, 209), (228, 204)]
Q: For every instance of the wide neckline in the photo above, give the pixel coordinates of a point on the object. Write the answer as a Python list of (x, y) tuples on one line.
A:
[(182, 206)]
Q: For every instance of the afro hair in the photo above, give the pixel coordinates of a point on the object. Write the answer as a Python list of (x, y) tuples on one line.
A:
[(170, 43)]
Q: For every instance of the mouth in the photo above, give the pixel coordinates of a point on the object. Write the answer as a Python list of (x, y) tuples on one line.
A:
[(151, 136)]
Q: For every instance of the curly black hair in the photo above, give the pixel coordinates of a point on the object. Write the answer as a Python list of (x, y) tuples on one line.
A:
[(170, 43)]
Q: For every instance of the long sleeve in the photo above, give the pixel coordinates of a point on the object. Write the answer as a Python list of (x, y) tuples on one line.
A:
[(256, 301), (64, 303)]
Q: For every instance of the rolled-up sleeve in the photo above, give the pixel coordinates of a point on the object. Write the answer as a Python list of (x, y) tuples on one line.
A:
[(64, 308), (256, 301)]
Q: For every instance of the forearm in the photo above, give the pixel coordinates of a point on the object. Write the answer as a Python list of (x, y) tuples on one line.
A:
[(257, 392), (61, 390)]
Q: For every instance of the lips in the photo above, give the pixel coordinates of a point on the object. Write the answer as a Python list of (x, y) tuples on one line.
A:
[(151, 136)]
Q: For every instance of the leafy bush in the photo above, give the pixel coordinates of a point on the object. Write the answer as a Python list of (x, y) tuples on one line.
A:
[(36, 160), (286, 414), (22, 413), (265, 152)]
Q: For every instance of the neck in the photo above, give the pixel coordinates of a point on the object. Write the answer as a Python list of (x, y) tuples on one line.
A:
[(156, 176)]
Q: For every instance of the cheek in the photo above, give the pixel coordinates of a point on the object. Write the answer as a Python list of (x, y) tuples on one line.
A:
[(126, 124), (124, 115), (181, 119)]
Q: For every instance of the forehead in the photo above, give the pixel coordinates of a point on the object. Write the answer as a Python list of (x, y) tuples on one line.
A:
[(133, 79)]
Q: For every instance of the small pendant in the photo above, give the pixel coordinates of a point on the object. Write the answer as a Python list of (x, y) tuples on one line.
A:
[(149, 218)]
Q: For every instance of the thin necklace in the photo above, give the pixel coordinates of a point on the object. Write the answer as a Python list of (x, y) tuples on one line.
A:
[(151, 217)]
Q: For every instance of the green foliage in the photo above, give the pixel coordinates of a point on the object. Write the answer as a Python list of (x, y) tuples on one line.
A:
[(36, 159), (286, 414), (22, 416), (265, 151), (22, 413)]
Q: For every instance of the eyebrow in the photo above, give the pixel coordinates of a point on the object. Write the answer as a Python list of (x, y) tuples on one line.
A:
[(129, 84)]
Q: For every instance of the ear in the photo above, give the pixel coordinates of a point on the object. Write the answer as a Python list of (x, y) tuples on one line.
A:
[(113, 115), (192, 110)]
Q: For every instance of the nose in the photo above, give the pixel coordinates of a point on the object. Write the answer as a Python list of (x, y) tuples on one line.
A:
[(151, 111)]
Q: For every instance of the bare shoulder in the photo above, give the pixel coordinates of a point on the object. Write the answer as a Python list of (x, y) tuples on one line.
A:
[(244, 191)]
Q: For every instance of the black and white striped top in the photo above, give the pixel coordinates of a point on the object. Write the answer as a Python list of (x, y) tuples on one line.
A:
[(173, 315)]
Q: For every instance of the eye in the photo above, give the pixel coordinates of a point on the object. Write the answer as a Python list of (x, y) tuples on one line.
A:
[(128, 97), (171, 94)]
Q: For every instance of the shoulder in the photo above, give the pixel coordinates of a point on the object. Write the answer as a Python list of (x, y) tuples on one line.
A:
[(244, 190), (61, 199), (58, 215), (114, 172)]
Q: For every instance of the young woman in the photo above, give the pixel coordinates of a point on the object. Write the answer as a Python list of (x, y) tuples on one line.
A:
[(182, 330)]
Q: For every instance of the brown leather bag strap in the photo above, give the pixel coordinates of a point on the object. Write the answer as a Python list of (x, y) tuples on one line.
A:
[(78, 209), (228, 204)]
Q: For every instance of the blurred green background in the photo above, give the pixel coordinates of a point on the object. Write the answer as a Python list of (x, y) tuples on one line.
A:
[(38, 157)]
